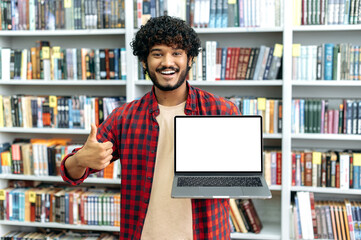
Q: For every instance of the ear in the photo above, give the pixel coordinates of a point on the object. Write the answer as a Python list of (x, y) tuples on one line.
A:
[(144, 65), (190, 61)]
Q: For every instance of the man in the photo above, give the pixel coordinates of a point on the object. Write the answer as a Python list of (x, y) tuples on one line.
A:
[(140, 134)]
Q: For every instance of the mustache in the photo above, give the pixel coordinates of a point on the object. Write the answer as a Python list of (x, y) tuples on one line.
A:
[(167, 68)]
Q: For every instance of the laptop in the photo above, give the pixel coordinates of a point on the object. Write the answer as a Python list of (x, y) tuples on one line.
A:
[(218, 157)]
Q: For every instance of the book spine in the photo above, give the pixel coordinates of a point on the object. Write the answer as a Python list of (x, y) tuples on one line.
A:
[(268, 64), (328, 61), (252, 215)]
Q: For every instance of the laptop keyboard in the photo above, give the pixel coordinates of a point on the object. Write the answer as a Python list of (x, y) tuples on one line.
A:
[(219, 182)]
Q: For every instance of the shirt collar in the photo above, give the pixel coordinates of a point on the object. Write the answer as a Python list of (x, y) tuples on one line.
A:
[(190, 103)]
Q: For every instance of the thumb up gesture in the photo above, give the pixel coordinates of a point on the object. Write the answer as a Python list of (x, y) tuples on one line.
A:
[(94, 154)]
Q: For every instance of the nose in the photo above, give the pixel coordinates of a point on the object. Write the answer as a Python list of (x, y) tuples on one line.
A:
[(167, 60)]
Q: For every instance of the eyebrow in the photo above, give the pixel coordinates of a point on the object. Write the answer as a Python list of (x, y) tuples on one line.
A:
[(158, 49)]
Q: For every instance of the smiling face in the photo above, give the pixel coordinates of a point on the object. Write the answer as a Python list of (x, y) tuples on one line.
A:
[(167, 67)]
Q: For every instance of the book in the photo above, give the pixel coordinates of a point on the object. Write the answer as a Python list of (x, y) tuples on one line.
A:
[(337, 220), (297, 223), (318, 220), (305, 214), (257, 71), (349, 219), (328, 70), (238, 219), (323, 233), (251, 214), (234, 222), (343, 224), (330, 232), (308, 168), (313, 213), (268, 64), (276, 61)]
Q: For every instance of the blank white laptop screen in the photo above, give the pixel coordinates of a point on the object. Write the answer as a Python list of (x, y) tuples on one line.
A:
[(218, 144)]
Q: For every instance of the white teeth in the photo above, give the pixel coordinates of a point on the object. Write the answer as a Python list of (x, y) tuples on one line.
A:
[(168, 72)]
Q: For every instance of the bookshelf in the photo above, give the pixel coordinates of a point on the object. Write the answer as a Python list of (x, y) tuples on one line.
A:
[(274, 213), (88, 38), (334, 89)]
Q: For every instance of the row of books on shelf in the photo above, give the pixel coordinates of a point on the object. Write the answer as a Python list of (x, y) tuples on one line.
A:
[(42, 157), (85, 206), (319, 12), (214, 13), (269, 109), (236, 63), (326, 62), (244, 217), (57, 235), (336, 169), (337, 116), (56, 63), (313, 219), (75, 112), (61, 14), (272, 160)]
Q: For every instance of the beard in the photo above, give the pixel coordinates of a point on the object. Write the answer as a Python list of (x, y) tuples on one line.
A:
[(181, 79)]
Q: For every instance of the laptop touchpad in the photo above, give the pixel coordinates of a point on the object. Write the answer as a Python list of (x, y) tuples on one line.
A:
[(221, 191), (253, 191)]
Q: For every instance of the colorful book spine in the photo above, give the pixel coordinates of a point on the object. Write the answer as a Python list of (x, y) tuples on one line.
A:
[(328, 61)]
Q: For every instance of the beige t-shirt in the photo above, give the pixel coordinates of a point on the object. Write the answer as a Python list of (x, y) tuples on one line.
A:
[(167, 218)]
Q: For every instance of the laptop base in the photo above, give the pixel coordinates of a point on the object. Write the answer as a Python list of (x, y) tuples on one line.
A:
[(221, 192)]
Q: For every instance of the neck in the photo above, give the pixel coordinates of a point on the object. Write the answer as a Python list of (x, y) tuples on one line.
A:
[(171, 98)]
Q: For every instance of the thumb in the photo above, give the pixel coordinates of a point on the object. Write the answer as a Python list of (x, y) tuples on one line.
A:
[(93, 133)]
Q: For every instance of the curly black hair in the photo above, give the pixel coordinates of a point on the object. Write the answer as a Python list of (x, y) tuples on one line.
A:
[(166, 30)]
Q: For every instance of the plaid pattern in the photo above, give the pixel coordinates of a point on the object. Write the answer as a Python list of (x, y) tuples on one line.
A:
[(133, 130)]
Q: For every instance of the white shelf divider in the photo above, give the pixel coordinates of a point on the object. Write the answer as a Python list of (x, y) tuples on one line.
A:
[(326, 190), (237, 30), (231, 83), (94, 180), (324, 28), (321, 83), (62, 226), (270, 231), (318, 136), (286, 119), (65, 82), (83, 32), (45, 130)]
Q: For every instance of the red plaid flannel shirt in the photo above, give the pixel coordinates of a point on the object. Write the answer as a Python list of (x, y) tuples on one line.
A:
[(133, 130)]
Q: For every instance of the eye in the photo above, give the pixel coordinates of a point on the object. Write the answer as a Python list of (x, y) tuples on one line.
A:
[(177, 53), (156, 54)]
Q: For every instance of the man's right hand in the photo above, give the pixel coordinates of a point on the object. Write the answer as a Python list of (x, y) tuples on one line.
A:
[(94, 154)]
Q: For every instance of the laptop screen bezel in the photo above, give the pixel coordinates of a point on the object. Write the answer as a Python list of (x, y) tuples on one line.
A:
[(217, 172)]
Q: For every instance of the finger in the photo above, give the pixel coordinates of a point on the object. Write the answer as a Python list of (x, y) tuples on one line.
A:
[(93, 133), (109, 151), (107, 161), (107, 145)]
